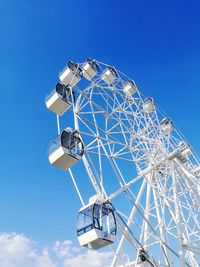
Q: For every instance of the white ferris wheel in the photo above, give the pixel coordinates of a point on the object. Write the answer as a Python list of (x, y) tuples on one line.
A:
[(140, 195)]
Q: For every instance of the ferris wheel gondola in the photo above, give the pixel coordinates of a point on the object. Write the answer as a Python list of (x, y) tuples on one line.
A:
[(90, 69), (130, 88), (66, 150), (148, 104), (109, 75), (59, 99), (71, 74), (166, 125), (96, 225)]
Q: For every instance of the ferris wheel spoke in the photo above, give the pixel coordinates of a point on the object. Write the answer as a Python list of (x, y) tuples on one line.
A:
[(146, 214), (94, 134), (173, 223), (76, 187), (162, 229), (178, 219), (157, 240), (157, 237), (129, 222)]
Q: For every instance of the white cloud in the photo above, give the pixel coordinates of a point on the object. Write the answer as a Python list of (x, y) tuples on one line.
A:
[(19, 251), (16, 250), (89, 259)]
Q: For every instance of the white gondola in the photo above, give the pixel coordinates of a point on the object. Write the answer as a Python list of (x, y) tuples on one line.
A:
[(71, 74), (184, 148), (130, 88), (183, 151), (90, 69), (148, 104), (109, 75), (66, 150), (96, 225), (166, 125), (59, 99)]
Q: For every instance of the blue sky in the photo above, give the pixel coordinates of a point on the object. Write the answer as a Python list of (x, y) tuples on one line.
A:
[(155, 42)]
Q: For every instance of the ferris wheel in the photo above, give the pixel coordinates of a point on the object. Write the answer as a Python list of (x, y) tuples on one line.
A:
[(137, 178)]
